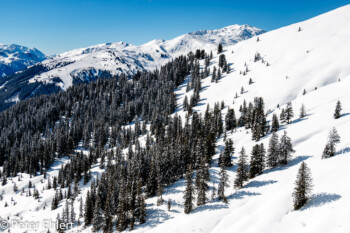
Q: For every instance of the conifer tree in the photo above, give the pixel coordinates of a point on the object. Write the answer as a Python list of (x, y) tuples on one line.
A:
[(225, 157), (273, 151), (333, 139), (97, 215), (202, 179), (220, 48), (88, 214), (275, 123), (303, 186), (257, 160), (242, 169), (285, 149), (189, 191), (222, 184), (302, 111), (288, 113), (337, 113), (230, 120)]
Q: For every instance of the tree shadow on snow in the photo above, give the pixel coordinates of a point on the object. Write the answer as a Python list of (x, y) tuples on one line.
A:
[(240, 194), (258, 183), (343, 151), (291, 163), (321, 199)]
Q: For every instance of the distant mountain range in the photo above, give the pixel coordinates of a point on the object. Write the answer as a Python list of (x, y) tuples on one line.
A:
[(104, 60), (15, 58)]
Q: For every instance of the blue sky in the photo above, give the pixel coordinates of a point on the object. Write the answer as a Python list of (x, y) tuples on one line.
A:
[(55, 26)]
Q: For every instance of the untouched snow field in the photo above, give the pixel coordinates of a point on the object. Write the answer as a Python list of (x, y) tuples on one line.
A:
[(316, 57)]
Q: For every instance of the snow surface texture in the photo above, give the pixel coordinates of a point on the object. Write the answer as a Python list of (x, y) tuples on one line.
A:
[(15, 58), (120, 57), (317, 56)]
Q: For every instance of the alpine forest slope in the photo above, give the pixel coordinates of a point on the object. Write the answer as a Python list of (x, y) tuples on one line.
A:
[(250, 138), (106, 60), (15, 58)]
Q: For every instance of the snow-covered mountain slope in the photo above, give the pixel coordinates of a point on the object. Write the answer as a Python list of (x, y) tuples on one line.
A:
[(116, 58), (314, 57), (15, 58), (103, 60)]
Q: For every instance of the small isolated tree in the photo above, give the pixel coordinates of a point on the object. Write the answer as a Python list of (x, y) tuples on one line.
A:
[(302, 111), (333, 139), (242, 169), (337, 113), (286, 149), (220, 48), (288, 112), (303, 186)]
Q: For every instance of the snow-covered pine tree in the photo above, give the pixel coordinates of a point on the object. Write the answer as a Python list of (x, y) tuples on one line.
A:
[(273, 151), (202, 180), (337, 112), (230, 120), (333, 139), (225, 159), (288, 113), (285, 149), (303, 186), (220, 48), (88, 213), (73, 216), (222, 184), (189, 191), (257, 160), (275, 123), (97, 220), (302, 111), (242, 169)]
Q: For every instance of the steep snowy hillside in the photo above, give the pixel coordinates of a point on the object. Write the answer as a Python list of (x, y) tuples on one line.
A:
[(15, 58), (313, 56)]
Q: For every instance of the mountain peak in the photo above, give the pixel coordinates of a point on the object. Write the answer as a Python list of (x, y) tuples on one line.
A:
[(15, 58)]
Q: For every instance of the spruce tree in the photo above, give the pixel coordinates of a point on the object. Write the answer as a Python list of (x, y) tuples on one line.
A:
[(225, 157), (257, 160), (220, 48), (230, 120), (337, 113), (333, 139), (97, 221), (222, 184), (275, 123), (288, 113), (273, 151), (303, 186), (189, 191), (242, 169), (302, 111), (202, 179), (285, 149)]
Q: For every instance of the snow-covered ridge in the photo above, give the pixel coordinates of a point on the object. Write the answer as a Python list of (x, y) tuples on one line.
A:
[(121, 57), (15, 58)]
